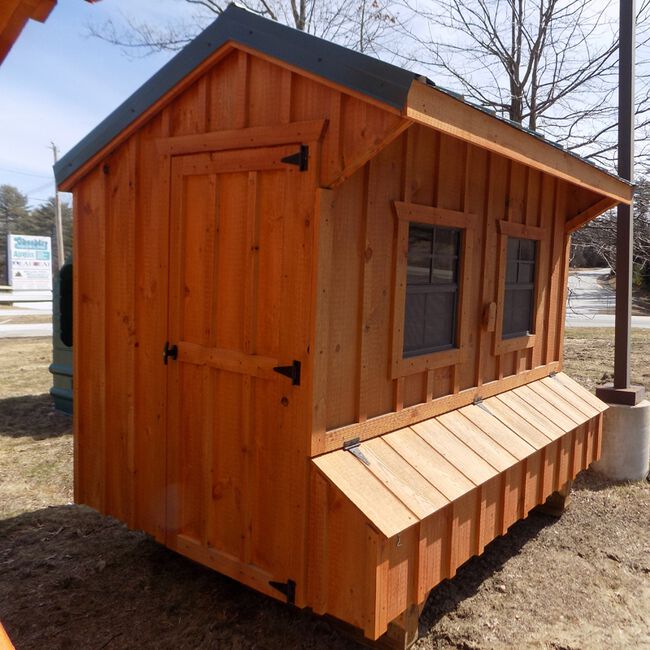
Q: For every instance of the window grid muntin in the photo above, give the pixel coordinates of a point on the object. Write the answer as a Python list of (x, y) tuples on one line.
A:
[(521, 254), (442, 250)]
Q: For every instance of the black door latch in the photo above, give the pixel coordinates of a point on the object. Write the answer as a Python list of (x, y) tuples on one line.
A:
[(169, 351)]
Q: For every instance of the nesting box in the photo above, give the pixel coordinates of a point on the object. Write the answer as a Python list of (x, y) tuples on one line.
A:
[(319, 308)]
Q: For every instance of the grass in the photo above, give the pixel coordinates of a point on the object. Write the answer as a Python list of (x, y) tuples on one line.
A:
[(589, 356)]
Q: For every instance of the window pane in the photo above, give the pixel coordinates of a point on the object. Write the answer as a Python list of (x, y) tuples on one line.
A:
[(419, 254), (444, 269), (446, 241), (439, 321), (521, 311), (526, 274), (513, 248), (527, 249), (432, 286), (511, 271), (414, 321), (520, 287)]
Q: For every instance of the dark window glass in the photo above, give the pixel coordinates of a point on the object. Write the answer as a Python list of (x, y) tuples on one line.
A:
[(518, 307), (431, 289)]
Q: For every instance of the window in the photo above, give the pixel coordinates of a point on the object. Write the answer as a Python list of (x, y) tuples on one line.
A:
[(431, 289), (433, 264), (519, 297)]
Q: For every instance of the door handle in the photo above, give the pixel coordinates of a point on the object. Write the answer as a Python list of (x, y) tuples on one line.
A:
[(169, 351)]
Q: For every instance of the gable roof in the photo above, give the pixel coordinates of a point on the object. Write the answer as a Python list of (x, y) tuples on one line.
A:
[(413, 95), (381, 81)]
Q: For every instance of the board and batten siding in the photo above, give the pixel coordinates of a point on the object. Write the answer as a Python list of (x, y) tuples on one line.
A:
[(125, 457), (358, 273), (222, 474)]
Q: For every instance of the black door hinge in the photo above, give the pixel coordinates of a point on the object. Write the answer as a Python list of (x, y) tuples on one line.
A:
[(169, 351), (301, 158), (292, 371), (287, 588)]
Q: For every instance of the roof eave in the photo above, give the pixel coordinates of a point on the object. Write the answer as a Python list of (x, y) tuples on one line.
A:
[(437, 109)]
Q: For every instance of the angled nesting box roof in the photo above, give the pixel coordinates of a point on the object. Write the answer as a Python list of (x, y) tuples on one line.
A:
[(403, 477)]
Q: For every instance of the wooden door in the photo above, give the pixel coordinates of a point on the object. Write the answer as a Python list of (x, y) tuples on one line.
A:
[(240, 243)]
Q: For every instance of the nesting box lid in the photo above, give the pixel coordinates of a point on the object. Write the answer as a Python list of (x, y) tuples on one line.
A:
[(400, 478)]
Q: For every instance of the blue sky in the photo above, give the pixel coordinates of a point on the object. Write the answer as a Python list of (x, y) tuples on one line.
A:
[(56, 84)]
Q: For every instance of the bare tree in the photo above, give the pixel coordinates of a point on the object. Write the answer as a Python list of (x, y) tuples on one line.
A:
[(595, 243), (550, 65), (363, 25)]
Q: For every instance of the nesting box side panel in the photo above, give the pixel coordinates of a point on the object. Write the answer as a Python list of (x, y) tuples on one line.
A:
[(370, 386), (347, 561)]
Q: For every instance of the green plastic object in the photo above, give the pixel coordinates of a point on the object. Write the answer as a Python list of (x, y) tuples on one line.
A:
[(61, 366)]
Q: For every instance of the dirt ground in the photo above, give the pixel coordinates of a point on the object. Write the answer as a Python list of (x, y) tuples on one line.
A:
[(70, 578)]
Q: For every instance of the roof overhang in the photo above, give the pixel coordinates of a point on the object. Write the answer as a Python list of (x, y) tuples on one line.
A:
[(440, 110)]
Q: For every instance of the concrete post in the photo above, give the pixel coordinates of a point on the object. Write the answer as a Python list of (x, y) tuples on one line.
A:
[(626, 442)]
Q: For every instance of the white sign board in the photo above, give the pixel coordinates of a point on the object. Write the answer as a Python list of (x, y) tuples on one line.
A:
[(30, 262)]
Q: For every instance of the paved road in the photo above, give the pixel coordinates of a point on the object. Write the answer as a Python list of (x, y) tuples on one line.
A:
[(11, 327), (18, 330), (592, 304)]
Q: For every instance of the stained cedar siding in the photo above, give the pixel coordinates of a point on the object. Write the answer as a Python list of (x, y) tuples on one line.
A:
[(151, 222), (123, 296), (89, 349), (424, 554), (438, 170)]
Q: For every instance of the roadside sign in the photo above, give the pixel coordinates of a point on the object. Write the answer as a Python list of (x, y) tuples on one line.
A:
[(30, 262)]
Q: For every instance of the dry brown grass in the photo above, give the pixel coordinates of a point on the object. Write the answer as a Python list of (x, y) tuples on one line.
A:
[(70, 578), (35, 440), (589, 356)]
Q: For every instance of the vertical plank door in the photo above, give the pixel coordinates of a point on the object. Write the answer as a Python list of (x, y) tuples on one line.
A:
[(240, 237)]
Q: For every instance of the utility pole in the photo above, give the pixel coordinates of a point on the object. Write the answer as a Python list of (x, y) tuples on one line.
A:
[(625, 439), (58, 222)]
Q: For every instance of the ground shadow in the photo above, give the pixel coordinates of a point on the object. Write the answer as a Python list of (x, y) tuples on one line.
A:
[(469, 578), (87, 581), (32, 416), (73, 579)]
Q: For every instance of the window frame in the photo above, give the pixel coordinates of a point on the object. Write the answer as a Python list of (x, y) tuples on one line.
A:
[(507, 230), (407, 213)]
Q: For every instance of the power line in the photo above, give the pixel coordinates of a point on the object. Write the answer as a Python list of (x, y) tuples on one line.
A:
[(15, 171), (40, 188)]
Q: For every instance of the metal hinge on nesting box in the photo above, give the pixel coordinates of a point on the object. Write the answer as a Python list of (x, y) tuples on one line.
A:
[(479, 402), (353, 446), (287, 588)]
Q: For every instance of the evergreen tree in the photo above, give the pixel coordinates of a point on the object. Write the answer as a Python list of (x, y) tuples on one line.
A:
[(13, 209), (40, 221)]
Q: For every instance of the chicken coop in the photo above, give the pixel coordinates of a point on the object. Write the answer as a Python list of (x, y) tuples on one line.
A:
[(318, 317)]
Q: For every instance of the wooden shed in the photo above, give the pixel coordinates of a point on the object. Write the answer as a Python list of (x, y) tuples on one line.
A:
[(319, 308)]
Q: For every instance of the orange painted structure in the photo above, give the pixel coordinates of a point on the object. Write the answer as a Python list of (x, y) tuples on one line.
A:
[(14, 14), (359, 487)]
